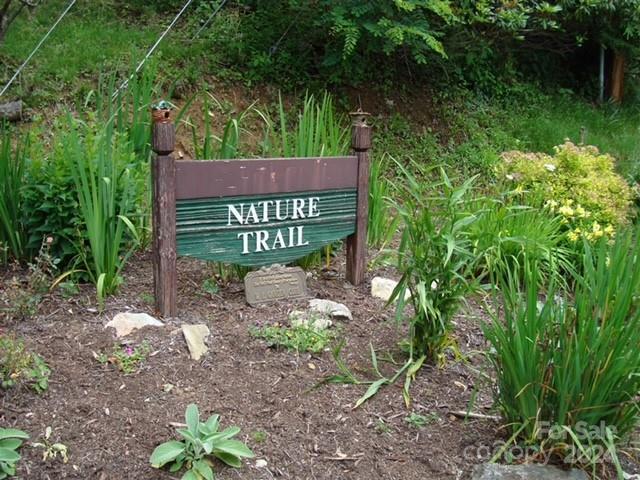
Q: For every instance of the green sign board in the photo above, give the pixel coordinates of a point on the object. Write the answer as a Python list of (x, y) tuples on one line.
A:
[(266, 229)]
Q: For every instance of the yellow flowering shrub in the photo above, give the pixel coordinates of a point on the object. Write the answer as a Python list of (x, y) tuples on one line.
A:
[(577, 183)]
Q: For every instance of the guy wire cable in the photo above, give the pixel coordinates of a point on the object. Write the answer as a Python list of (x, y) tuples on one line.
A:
[(152, 49)]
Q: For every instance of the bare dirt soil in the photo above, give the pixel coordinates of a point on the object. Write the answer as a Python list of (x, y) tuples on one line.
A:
[(111, 422)]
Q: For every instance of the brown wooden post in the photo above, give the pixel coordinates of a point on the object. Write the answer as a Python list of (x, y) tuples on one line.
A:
[(357, 242), (617, 77), (163, 175)]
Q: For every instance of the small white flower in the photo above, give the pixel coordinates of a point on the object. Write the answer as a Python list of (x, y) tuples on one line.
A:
[(550, 166), (434, 285)]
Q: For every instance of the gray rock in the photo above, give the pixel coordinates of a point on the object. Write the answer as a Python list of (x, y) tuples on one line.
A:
[(195, 336), (492, 471), (127, 322), (328, 307), (310, 319), (383, 288)]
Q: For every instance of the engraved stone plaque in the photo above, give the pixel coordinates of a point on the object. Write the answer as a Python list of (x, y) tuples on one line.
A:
[(275, 283)]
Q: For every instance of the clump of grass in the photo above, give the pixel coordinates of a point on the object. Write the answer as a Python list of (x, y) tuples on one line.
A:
[(507, 234), (12, 167), (567, 367), (102, 172), (318, 132), (382, 223)]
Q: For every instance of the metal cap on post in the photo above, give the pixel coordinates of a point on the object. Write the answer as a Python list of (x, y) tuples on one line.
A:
[(357, 242), (163, 172)]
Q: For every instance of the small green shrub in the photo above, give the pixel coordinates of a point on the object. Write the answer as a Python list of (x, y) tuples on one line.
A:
[(567, 367), (300, 338), (202, 440), (10, 441), (578, 183), (50, 202), (18, 366)]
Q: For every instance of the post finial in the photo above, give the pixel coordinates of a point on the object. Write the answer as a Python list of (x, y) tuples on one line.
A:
[(161, 112), (359, 118)]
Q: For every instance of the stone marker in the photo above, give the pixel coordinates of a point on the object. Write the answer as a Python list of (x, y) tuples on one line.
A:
[(195, 335), (493, 471), (275, 283), (127, 322), (383, 288), (331, 308)]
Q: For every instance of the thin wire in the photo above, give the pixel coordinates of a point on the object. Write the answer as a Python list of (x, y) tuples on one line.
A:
[(205, 24), (24, 64), (152, 49)]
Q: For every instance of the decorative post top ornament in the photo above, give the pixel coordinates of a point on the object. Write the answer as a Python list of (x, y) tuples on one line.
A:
[(161, 112), (359, 118)]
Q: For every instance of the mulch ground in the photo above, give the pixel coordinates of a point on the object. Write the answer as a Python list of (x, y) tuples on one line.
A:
[(111, 422)]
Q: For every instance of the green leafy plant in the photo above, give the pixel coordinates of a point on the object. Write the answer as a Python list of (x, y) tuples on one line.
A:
[(259, 436), (18, 366), (126, 357), (52, 449), (300, 338), (23, 297), (420, 421), (49, 200), (210, 286), (10, 441), (566, 366), (435, 258), (381, 427), (201, 441)]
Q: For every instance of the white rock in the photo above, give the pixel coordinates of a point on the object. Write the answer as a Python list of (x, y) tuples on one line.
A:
[(330, 308), (261, 463), (127, 322), (311, 319), (383, 288), (195, 335)]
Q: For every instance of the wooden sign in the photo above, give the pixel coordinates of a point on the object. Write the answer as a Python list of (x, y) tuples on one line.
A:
[(275, 283), (255, 212)]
